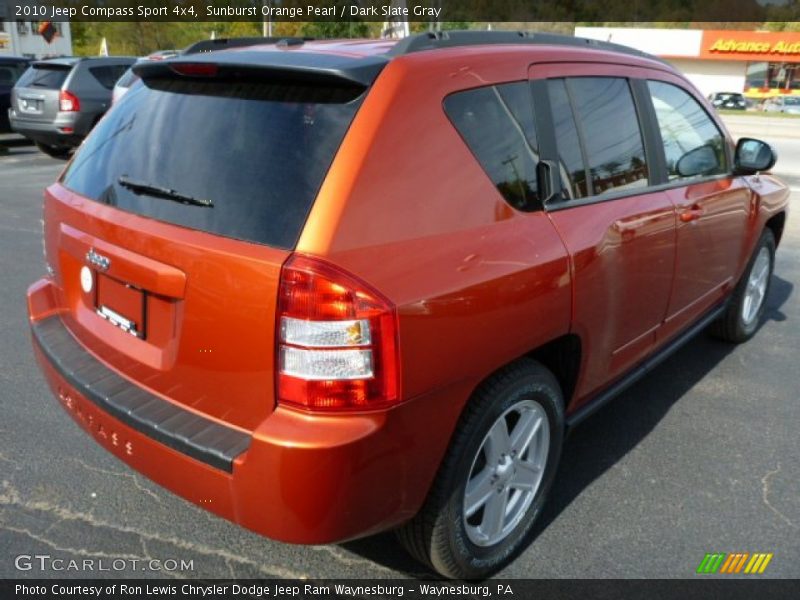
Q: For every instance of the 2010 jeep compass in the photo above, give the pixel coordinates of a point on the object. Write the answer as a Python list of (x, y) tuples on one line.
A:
[(326, 289)]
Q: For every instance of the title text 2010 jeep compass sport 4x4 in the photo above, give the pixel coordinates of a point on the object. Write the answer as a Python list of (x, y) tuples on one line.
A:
[(326, 289)]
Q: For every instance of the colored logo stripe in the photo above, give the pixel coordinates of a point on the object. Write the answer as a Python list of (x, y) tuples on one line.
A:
[(758, 563), (720, 562), (735, 562), (711, 563)]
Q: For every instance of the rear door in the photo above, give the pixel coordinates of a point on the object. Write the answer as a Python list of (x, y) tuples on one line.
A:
[(620, 234), (36, 94), (714, 208)]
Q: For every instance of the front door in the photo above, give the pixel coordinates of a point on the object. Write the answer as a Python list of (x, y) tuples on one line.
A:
[(713, 207)]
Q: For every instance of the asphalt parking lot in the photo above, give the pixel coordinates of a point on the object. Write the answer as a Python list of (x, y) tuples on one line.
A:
[(701, 456)]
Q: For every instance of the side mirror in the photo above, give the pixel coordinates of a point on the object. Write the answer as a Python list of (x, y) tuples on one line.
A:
[(698, 161), (753, 156)]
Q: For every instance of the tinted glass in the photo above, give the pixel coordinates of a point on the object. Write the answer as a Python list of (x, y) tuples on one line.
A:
[(258, 151), (571, 165), (497, 124), (10, 72), (685, 126), (107, 75), (611, 134), (44, 76)]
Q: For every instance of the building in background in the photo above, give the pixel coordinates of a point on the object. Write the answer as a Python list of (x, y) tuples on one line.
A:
[(22, 38), (755, 63)]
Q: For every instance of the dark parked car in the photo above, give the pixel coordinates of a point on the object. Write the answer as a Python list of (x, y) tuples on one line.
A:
[(728, 100), (11, 67), (56, 102)]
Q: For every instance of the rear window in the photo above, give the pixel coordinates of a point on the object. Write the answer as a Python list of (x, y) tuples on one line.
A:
[(50, 77), (257, 151)]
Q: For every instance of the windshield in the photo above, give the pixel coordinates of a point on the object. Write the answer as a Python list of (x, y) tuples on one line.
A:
[(257, 152), (791, 101)]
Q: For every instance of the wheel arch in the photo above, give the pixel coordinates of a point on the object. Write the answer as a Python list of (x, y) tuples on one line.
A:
[(776, 223), (562, 357)]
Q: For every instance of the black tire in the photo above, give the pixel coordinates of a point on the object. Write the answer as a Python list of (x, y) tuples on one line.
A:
[(732, 326), (437, 536), (60, 152)]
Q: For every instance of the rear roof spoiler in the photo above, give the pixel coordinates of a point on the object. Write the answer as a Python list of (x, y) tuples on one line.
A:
[(286, 66), (226, 43)]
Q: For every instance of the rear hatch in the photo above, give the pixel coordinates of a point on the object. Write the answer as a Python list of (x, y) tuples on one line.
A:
[(35, 96), (169, 228)]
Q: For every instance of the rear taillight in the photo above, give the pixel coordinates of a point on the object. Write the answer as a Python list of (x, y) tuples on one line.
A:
[(337, 340), (68, 102)]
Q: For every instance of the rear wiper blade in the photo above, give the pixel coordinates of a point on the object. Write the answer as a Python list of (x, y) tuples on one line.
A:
[(162, 192)]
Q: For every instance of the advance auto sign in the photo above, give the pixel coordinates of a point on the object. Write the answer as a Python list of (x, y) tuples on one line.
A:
[(751, 45)]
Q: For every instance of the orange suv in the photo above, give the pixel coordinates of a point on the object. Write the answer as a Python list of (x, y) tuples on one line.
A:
[(326, 289)]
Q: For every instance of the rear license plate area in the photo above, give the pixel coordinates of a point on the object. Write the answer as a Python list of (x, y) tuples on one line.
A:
[(30, 105), (121, 304)]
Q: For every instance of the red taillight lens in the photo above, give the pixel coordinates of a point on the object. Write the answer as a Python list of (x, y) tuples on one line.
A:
[(337, 340), (68, 102)]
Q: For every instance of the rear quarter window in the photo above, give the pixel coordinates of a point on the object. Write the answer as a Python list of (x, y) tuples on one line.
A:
[(496, 122), (107, 75), (257, 151)]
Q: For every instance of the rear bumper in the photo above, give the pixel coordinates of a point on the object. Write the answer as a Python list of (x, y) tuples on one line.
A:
[(52, 132), (297, 477)]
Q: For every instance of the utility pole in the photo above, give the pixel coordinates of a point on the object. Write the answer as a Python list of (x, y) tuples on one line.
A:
[(396, 27), (266, 25)]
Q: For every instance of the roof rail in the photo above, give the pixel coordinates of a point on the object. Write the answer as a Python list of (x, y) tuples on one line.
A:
[(241, 42), (451, 39)]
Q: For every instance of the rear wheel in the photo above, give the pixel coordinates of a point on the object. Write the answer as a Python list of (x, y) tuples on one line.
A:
[(495, 477), (60, 152), (747, 304)]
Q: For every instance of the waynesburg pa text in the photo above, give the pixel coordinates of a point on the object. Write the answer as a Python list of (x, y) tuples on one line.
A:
[(260, 591)]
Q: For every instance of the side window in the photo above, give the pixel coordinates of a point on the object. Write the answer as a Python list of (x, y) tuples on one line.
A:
[(106, 76), (611, 135), (497, 125), (688, 133), (570, 155)]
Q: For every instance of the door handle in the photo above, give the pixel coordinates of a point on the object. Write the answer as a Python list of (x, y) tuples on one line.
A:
[(688, 215)]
